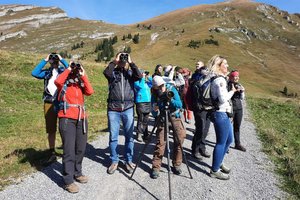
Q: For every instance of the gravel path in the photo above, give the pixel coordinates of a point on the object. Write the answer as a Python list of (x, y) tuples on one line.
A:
[(251, 176)]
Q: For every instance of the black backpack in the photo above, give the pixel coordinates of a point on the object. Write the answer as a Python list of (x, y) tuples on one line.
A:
[(201, 94)]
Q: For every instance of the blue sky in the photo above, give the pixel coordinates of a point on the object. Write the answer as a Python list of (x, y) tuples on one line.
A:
[(133, 11)]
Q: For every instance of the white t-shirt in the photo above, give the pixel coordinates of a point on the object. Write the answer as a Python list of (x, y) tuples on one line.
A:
[(51, 87)]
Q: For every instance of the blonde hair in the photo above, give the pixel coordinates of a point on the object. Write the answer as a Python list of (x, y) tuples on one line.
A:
[(214, 64)]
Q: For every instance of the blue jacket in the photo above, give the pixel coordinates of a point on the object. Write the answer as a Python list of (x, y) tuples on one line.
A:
[(142, 91), (175, 103), (40, 73)]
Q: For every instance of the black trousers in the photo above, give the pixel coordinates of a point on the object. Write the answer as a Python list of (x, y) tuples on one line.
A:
[(74, 143), (202, 124), (143, 118), (237, 120)]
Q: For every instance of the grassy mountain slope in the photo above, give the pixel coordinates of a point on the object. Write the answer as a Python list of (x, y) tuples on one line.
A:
[(260, 41)]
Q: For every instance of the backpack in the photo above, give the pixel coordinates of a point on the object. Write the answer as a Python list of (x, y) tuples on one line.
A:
[(201, 94)]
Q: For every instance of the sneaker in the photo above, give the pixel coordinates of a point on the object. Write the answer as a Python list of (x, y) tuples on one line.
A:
[(112, 168), (205, 154), (219, 175), (225, 169), (197, 156), (82, 179), (72, 188), (188, 121), (154, 174), (130, 167), (177, 170), (240, 147), (139, 137)]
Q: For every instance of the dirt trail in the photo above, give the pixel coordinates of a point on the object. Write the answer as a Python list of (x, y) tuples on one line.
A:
[(251, 176)]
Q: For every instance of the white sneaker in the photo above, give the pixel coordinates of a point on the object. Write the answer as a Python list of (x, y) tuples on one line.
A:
[(225, 169), (219, 175)]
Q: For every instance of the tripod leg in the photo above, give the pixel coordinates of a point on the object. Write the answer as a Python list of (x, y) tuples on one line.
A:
[(166, 133), (146, 145), (176, 138)]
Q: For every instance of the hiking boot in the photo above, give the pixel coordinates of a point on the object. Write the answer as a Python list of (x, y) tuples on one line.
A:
[(130, 167), (154, 173), (112, 168), (197, 156), (82, 179), (240, 147), (205, 154), (72, 188), (219, 175), (139, 137), (225, 169), (177, 170), (52, 158), (188, 121)]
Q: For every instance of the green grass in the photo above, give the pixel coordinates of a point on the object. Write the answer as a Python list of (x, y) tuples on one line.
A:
[(23, 141), (278, 125)]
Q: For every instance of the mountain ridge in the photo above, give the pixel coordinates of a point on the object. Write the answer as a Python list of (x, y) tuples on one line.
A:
[(258, 39)]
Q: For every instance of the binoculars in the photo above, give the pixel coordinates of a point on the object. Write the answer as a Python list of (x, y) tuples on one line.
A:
[(124, 57), (53, 56), (75, 66)]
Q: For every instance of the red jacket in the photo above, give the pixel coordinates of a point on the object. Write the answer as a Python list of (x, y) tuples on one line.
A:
[(74, 95)]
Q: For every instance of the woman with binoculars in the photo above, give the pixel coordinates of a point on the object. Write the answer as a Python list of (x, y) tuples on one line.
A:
[(72, 85)]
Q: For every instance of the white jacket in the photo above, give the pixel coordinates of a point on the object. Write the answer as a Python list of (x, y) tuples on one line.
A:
[(219, 91)]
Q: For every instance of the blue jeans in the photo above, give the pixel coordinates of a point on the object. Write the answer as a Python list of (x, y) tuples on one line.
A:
[(224, 137), (114, 119)]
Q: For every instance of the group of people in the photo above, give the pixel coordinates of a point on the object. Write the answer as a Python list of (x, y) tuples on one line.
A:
[(129, 86)]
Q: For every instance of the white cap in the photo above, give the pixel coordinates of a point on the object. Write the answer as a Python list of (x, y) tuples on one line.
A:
[(157, 81)]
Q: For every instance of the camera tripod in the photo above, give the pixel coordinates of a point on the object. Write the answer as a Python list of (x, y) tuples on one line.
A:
[(164, 116)]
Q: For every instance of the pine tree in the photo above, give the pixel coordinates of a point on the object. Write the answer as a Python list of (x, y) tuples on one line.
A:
[(114, 40), (285, 91), (129, 36), (136, 39)]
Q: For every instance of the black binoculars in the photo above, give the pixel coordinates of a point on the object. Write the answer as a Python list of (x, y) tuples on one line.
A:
[(124, 57), (53, 56), (75, 66)]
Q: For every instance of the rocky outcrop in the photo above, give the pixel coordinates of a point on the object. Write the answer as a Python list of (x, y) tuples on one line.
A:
[(14, 16)]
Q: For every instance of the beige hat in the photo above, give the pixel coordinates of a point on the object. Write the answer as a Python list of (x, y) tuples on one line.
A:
[(157, 81)]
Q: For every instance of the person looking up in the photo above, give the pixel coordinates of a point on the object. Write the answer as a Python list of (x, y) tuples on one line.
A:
[(120, 107), (50, 95), (72, 85)]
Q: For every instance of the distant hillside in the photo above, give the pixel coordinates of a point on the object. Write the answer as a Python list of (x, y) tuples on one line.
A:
[(259, 40)]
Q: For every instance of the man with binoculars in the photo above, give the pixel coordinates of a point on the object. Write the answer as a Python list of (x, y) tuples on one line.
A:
[(166, 96), (50, 95), (120, 105)]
